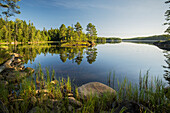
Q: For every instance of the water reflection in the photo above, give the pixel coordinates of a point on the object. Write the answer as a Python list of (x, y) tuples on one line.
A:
[(167, 67), (76, 54), (87, 64)]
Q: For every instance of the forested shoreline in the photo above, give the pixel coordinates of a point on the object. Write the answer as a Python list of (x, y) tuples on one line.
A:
[(21, 31), (155, 37)]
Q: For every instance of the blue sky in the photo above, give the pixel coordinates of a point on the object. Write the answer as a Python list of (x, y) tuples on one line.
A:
[(112, 18)]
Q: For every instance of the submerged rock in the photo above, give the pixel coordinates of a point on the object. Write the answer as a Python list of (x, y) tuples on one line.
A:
[(95, 88)]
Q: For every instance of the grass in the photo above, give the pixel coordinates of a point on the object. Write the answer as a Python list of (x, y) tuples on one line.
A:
[(24, 96), (149, 92)]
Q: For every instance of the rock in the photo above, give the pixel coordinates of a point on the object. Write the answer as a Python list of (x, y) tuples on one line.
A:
[(4, 83), (30, 70), (17, 61), (53, 82), (16, 55), (70, 95), (54, 102), (95, 88), (33, 100), (22, 66), (17, 100), (42, 91), (74, 102), (131, 107), (3, 109)]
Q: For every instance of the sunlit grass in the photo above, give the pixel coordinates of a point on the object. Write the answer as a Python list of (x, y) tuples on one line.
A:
[(38, 90)]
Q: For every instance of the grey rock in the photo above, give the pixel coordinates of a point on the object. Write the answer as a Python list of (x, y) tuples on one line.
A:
[(74, 102), (33, 100), (95, 88)]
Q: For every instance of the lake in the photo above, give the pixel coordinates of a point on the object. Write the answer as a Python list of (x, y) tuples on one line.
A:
[(90, 64)]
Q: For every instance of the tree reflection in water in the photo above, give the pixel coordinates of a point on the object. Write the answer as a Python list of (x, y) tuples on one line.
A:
[(167, 68), (76, 54)]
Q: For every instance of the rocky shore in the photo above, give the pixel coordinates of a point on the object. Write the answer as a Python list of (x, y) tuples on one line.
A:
[(13, 70), (163, 45)]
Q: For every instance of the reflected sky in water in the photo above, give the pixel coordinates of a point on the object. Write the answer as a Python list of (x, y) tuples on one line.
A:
[(125, 59)]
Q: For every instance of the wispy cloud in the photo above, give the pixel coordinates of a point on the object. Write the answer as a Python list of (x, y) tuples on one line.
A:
[(76, 4)]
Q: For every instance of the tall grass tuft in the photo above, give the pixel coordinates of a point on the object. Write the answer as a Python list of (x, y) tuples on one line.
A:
[(148, 93)]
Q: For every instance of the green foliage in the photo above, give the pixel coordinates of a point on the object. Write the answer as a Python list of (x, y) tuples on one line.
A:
[(78, 28), (9, 7), (167, 15), (20, 31), (68, 34), (91, 31), (148, 93), (63, 32)]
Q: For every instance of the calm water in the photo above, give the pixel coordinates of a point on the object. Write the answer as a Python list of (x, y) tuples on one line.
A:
[(84, 65)]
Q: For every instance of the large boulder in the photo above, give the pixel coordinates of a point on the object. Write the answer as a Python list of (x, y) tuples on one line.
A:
[(95, 89)]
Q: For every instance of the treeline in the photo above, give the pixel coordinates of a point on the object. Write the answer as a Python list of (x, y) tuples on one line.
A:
[(73, 33), (20, 31), (108, 40), (156, 37)]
